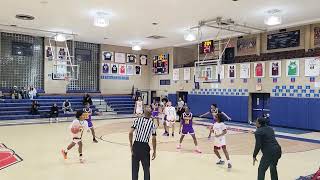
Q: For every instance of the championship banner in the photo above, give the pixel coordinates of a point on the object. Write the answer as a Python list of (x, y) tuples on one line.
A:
[(317, 37), (105, 68), (275, 69), (186, 74), (175, 75), (246, 46), (311, 67), (292, 68), (232, 71), (245, 71), (259, 69)]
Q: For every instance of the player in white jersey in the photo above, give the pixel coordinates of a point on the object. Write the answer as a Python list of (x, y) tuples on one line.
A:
[(77, 127), (220, 130), (138, 109), (171, 117)]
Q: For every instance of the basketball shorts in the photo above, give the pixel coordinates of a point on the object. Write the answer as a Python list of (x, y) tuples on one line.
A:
[(187, 131), (139, 111), (90, 125), (169, 123), (76, 140), (219, 141), (155, 113)]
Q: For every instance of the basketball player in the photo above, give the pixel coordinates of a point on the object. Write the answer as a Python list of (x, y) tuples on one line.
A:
[(155, 111), (77, 137), (220, 130), (88, 115), (214, 111), (170, 113), (138, 109), (186, 126), (180, 109)]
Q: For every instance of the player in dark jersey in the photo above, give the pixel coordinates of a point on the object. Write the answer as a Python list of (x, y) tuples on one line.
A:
[(186, 128), (214, 111)]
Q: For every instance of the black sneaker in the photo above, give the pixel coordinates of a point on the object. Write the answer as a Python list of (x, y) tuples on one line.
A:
[(95, 141), (172, 134), (229, 166)]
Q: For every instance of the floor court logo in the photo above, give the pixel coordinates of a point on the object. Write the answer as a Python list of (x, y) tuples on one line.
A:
[(8, 157)]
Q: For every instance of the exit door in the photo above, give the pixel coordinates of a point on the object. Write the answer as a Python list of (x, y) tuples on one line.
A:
[(260, 105)]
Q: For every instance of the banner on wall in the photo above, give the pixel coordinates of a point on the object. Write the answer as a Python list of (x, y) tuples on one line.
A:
[(130, 70), (232, 71), (138, 70), (107, 56), (311, 67), (186, 74), (275, 69), (245, 71), (292, 68), (131, 58), (259, 69), (143, 60), (317, 36), (105, 68), (62, 53), (175, 75), (246, 46), (114, 68), (49, 52), (122, 69), (221, 71), (120, 57)]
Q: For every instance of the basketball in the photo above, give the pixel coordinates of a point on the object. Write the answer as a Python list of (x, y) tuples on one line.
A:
[(75, 129)]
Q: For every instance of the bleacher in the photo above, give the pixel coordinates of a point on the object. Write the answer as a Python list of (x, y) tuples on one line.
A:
[(123, 104), (15, 109)]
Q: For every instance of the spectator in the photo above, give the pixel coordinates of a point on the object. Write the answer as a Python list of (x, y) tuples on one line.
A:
[(35, 107), (1, 96), (15, 93), (25, 93), (32, 92), (66, 106), (54, 112), (87, 99)]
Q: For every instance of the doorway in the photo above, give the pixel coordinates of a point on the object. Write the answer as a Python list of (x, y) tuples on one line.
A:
[(260, 105), (183, 95)]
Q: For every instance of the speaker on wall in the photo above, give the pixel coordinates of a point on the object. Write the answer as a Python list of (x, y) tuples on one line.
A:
[(228, 57)]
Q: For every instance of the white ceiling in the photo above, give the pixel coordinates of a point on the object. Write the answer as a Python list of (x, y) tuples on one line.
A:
[(131, 19)]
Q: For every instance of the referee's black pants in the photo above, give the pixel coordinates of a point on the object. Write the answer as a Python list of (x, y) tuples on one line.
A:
[(141, 152), (269, 161)]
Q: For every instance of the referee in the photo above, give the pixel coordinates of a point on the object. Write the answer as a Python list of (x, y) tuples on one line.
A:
[(140, 149)]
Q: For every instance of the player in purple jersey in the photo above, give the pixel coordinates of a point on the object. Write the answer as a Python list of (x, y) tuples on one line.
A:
[(87, 111), (155, 111), (186, 128)]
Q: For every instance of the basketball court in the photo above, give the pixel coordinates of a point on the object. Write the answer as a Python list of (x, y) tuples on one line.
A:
[(241, 59)]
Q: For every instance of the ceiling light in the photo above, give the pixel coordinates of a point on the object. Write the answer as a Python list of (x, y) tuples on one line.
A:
[(190, 36), (136, 46), (273, 18), (24, 17), (60, 37), (101, 19)]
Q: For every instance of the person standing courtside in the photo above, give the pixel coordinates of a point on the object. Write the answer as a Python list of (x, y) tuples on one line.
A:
[(143, 127), (271, 150)]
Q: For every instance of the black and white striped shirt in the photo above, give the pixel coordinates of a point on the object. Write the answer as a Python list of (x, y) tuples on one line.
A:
[(144, 127)]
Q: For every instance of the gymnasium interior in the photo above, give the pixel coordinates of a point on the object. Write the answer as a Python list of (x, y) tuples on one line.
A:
[(251, 58)]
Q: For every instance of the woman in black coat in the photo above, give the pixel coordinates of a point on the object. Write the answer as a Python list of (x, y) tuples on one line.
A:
[(270, 148)]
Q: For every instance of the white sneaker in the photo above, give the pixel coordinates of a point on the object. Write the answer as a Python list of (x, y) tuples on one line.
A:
[(81, 159)]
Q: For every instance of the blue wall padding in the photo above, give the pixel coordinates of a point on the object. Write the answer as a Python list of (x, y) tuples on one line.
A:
[(234, 106)]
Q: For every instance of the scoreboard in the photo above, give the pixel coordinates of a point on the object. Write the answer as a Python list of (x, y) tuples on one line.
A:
[(207, 47)]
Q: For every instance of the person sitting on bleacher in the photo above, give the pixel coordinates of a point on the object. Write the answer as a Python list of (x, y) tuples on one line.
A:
[(35, 107), (87, 99), (32, 92), (15, 93), (1, 96), (54, 112), (25, 93), (66, 106)]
